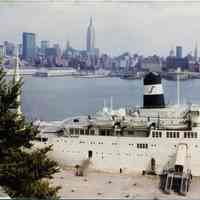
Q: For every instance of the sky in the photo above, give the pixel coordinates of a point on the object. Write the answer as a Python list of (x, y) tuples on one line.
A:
[(145, 28)]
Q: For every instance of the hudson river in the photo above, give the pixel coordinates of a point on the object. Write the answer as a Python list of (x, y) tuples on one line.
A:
[(56, 98)]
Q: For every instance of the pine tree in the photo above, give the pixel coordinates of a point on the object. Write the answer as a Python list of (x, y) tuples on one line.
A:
[(24, 172)]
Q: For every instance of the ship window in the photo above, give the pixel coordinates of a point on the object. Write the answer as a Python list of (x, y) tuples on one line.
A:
[(108, 132), (142, 146), (71, 130), (192, 135), (195, 134), (102, 132), (160, 134), (178, 135), (81, 131), (130, 133), (153, 134), (167, 134), (87, 132), (44, 139), (76, 131), (174, 135), (92, 132)]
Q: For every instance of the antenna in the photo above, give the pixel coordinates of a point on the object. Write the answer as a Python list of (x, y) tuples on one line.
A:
[(111, 103), (104, 103), (178, 85)]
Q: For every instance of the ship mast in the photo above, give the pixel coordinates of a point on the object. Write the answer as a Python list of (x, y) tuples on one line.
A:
[(111, 104), (178, 85), (16, 79)]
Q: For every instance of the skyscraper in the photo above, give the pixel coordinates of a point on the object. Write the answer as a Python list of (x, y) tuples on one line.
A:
[(44, 46), (90, 39), (171, 53), (196, 52), (29, 46), (179, 52)]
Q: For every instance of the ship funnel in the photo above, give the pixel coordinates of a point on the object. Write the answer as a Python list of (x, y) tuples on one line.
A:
[(153, 91)]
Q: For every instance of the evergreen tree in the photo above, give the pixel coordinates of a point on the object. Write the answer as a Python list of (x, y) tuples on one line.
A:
[(24, 172)]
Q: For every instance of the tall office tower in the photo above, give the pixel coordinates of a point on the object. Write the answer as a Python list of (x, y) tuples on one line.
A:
[(44, 46), (171, 53), (196, 52), (90, 39), (179, 52), (29, 46)]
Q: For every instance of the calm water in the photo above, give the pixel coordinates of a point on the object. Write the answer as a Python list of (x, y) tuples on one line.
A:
[(59, 97)]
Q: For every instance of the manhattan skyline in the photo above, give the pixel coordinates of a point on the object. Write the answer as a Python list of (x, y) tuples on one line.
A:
[(144, 28)]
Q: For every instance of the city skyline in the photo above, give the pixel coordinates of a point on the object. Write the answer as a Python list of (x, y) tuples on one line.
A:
[(136, 28)]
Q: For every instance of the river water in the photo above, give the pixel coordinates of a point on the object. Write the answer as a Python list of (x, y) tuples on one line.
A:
[(56, 98)]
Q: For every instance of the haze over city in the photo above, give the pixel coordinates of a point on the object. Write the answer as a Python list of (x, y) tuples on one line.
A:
[(144, 28)]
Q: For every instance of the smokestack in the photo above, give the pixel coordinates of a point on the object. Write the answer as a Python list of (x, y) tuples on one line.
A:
[(153, 91)]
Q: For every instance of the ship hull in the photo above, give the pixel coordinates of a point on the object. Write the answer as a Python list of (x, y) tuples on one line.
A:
[(122, 154)]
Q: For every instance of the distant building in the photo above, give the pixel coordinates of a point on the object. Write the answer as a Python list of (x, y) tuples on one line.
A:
[(90, 38), (152, 63), (171, 53), (9, 48), (44, 45), (2, 51), (29, 46), (51, 52), (58, 50), (20, 49), (174, 63), (179, 50), (196, 52)]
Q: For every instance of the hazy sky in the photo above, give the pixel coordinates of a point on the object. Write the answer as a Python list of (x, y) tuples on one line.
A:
[(145, 28)]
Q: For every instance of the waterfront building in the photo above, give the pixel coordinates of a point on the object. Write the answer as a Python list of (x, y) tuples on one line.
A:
[(171, 53), (2, 51), (50, 52), (68, 46), (29, 46), (90, 38), (44, 45), (20, 49), (174, 63), (179, 50), (152, 63), (196, 52), (9, 48), (58, 50)]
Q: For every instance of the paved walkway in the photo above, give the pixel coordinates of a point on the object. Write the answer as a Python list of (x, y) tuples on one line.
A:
[(107, 185)]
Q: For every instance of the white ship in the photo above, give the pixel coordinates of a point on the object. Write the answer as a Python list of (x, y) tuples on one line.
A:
[(156, 138), (133, 140)]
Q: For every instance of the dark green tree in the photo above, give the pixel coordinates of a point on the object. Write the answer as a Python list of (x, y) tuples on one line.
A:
[(24, 170)]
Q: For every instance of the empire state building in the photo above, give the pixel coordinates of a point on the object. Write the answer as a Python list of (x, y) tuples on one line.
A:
[(90, 40)]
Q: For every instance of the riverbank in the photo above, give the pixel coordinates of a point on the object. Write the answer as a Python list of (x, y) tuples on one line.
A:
[(99, 185)]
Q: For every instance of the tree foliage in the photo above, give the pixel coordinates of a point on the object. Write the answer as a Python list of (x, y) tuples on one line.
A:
[(24, 172)]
